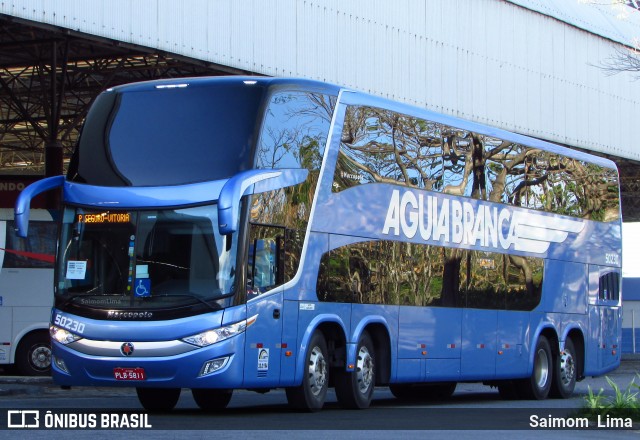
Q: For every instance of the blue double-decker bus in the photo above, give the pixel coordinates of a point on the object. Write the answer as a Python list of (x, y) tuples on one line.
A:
[(259, 233)]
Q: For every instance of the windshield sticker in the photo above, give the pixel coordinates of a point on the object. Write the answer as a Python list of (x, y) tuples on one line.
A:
[(143, 287), (76, 270)]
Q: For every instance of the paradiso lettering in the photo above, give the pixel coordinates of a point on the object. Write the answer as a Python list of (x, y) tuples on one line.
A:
[(452, 221)]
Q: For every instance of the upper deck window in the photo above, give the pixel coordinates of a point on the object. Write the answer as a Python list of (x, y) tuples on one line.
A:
[(169, 136), (382, 146)]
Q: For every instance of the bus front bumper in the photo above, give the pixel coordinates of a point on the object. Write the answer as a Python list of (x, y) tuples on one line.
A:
[(215, 366)]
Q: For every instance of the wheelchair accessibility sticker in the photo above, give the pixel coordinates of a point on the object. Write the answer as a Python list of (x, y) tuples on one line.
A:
[(142, 287)]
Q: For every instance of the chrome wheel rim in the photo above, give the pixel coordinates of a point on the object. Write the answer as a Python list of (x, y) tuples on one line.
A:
[(364, 370), (317, 371), (541, 373), (41, 357), (567, 368)]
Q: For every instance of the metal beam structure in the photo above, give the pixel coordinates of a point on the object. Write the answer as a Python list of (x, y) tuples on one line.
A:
[(49, 77)]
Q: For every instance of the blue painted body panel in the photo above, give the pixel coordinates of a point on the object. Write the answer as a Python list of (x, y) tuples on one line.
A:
[(479, 344), (513, 342)]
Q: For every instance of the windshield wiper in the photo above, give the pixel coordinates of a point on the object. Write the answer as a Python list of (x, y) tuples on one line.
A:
[(189, 295)]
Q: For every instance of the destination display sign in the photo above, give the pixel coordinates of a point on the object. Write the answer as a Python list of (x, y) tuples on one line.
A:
[(105, 217)]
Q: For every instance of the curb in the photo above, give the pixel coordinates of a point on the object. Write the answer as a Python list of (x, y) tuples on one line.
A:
[(16, 385)]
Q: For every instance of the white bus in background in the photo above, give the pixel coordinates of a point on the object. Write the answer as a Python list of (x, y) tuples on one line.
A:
[(26, 293)]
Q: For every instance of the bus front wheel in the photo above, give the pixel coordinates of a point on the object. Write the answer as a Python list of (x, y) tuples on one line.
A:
[(211, 399), (354, 389), (539, 384), (158, 399), (310, 395)]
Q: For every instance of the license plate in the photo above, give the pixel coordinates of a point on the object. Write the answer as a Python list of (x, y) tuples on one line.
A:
[(129, 374)]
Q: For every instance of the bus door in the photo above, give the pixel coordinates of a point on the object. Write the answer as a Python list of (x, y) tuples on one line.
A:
[(604, 315), (265, 301)]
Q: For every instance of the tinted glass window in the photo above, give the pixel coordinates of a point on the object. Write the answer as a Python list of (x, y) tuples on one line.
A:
[(293, 135), (169, 136), (383, 146), (295, 130), (173, 261), (388, 272), (610, 287), (499, 281)]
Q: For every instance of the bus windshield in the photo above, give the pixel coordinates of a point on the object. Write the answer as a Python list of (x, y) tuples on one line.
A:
[(141, 138), (144, 260)]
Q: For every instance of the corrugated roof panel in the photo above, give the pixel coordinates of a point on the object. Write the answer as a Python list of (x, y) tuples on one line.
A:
[(515, 64), (606, 20)]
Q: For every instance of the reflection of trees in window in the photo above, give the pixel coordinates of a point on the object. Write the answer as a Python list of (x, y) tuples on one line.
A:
[(383, 272), (381, 146), (497, 281), (294, 133), (386, 147), (389, 272)]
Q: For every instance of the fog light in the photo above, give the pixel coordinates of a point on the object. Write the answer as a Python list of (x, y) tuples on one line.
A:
[(60, 364), (213, 365)]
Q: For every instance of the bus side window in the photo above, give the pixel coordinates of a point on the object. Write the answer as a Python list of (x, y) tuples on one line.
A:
[(36, 251), (609, 287), (265, 268)]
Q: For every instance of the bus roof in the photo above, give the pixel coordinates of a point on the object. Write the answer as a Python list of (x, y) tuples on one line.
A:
[(355, 96)]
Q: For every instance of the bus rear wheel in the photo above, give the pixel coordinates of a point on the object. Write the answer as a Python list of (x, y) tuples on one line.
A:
[(565, 372), (211, 399), (33, 356), (354, 389), (158, 399), (310, 395), (537, 387)]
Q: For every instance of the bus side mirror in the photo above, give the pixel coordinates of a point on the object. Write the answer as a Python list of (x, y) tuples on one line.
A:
[(238, 185), (23, 203)]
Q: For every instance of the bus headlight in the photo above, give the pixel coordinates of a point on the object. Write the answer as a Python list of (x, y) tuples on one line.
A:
[(62, 336), (209, 337)]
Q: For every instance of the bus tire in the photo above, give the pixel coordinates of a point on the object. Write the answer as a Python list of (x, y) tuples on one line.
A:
[(354, 389), (311, 394), (158, 399), (565, 372), (537, 386), (211, 399), (33, 356), (442, 391), (404, 391)]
